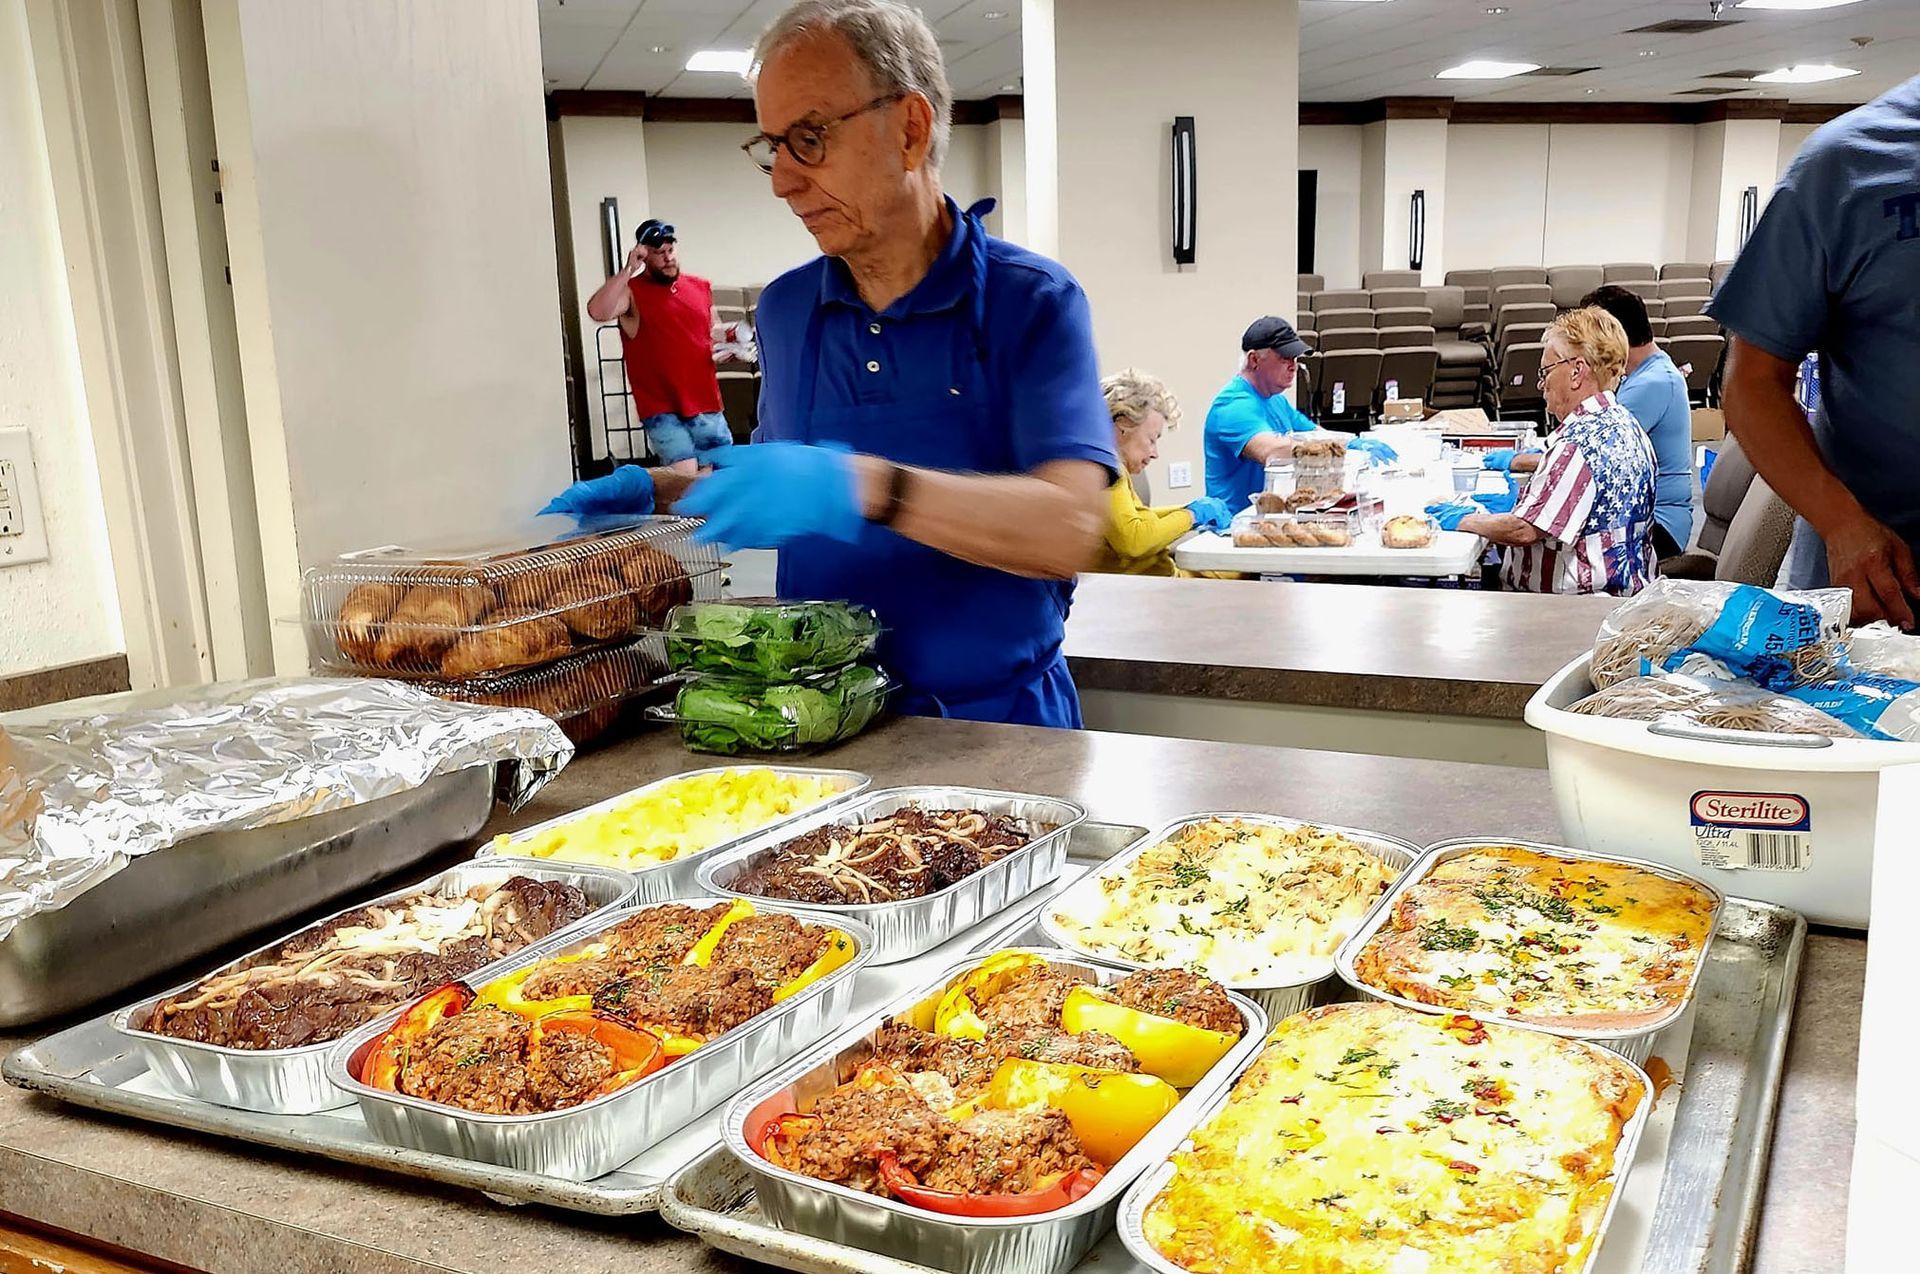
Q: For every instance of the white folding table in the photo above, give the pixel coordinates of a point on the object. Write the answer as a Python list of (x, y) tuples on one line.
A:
[(1451, 553)]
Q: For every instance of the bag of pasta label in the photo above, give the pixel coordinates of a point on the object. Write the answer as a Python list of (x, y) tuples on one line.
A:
[(1768, 638), (1878, 707)]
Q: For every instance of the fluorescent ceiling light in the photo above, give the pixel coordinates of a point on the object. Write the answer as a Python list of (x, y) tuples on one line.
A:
[(1805, 73), (736, 61), (1795, 5), (1485, 70)]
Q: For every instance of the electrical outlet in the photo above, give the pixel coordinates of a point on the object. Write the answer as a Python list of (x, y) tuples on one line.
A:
[(1179, 475), (22, 536)]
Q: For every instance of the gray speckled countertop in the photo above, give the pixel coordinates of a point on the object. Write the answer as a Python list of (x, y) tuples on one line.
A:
[(237, 1209)]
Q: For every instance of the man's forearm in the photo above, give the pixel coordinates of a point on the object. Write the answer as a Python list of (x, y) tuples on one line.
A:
[(1774, 434), (1501, 528), (1044, 525), (612, 299)]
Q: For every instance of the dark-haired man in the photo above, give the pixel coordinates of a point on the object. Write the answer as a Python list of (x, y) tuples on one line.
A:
[(1656, 393)]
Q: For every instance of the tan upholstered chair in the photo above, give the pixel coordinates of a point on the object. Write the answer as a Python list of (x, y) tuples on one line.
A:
[(1725, 490)]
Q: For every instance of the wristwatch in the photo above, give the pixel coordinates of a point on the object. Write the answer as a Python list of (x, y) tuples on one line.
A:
[(897, 478)]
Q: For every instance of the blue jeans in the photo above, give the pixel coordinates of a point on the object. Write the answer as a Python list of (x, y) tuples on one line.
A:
[(676, 438)]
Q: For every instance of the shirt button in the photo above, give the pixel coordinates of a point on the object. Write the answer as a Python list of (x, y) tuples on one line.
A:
[(874, 328), (872, 366)]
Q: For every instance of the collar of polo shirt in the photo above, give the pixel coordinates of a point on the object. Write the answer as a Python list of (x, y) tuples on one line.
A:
[(944, 287)]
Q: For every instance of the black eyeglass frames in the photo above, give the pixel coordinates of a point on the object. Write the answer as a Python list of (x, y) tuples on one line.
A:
[(805, 141)]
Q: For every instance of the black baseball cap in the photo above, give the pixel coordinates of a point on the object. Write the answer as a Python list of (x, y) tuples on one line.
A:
[(651, 233), (1277, 335)]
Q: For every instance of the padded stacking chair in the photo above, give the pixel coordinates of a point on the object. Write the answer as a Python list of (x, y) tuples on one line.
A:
[(1406, 337), (1717, 273), (1719, 501), (1542, 312), (1343, 299), (1516, 391), (1686, 270), (736, 297), (1521, 294), (1464, 358), (1330, 320), (1467, 278), (1621, 271), (1522, 334), (1670, 288), (1571, 282), (1410, 370), (1698, 358), (1404, 316), (1510, 274), (1303, 303), (1350, 338), (1757, 538), (1307, 334), (1658, 326), (1396, 298), (1354, 372), (1390, 279), (1685, 306), (1691, 325), (1312, 283), (1656, 308)]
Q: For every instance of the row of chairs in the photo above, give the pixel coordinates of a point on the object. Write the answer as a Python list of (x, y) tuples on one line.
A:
[(1611, 272)]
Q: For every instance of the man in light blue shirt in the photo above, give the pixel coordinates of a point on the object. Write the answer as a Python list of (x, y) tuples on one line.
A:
[(1656, 393), (1834, 265), (1250, 421)]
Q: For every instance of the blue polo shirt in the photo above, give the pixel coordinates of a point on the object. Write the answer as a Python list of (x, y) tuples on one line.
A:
[(986, 366), (1834, 265), (1656, 393), (1239, 415)]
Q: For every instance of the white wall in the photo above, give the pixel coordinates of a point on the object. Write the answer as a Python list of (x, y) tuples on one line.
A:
[(1499, 199), (1006, 164), (65, 608), (606, 156), (1729, 157), (1617, 193), (1334, 151), (1792, 138), (1416, 159)]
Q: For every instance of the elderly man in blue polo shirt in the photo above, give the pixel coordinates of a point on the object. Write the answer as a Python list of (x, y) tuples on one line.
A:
[(1251, 422), (933, 440)]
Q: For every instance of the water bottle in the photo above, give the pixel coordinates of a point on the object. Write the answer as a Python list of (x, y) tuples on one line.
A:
[(1339, 398), (1393, 391), (1806, 385)]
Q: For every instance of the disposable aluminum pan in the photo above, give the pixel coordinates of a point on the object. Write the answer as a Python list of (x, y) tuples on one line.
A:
[(1049, 1243), (1133, 1208), (1634, 1043), (293, 1081), (1278, 998), (669, 881), (592, 1139), (913, 926)]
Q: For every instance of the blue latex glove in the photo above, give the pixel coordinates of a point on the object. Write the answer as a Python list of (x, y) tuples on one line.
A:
[(1496, 501), (1502, 459), (767, 493), (1210, 514), (1373, 447), (628, 489), (1449, 514)]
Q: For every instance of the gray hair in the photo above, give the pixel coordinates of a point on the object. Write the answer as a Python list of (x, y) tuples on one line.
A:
[(1133, 395), (894, 42)]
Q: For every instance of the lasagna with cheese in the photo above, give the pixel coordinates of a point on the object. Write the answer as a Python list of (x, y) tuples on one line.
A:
[(1368, 1137), (1556, 941), (1243, 902)]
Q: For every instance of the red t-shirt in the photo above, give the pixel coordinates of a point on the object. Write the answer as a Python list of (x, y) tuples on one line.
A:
[(670, 359)]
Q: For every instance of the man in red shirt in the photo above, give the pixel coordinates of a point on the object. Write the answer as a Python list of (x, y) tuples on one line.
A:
[(666, 333)]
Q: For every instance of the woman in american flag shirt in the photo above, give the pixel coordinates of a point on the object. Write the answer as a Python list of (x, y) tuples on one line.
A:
[(1585, 522)]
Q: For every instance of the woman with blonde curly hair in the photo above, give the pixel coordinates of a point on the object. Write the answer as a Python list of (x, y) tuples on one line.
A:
[(1139, 539), (1585, 522)]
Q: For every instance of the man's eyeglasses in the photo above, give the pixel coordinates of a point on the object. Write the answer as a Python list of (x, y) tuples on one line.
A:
[(1540, 381), (806, 142)]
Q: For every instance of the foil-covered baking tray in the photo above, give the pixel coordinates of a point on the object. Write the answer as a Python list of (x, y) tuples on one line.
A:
[(911, 926), (669, 881), (1634, 1043), (234, 884), (1277, 998), (1049, 1243), (1133, 1208), (293, 1081), (595, 1137)]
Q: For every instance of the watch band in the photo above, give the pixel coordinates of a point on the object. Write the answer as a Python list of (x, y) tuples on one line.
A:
[(897, 478)]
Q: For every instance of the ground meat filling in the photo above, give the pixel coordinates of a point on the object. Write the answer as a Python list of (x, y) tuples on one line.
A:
[(1032, 997), (1184, 996), (965, 1065), (774, 949), (1051, 1044), (909, 853), (685, 999), (577, 977), (474, 1060), (660, 935), (1007, 1152), (857, 1123), (567, 1069)]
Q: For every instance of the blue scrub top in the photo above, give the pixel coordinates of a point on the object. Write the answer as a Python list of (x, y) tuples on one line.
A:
[(1834, 265), (1656, 393), (1240, 414), (986, 366)]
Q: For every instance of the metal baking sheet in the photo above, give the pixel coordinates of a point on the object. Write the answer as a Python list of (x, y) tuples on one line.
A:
[(678, 878), (234, 884), (912, 926), (1635, 1044), (92, 1066), (293, 1081), (1049, 1243), (1691, 1200), (1277, 998)]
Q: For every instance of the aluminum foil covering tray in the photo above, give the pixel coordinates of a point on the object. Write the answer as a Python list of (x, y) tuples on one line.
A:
[(586, 1141), (293, 1081), (665, 882), (1047, 1243), (911, 926), (1635, 1043), (1278, 998)]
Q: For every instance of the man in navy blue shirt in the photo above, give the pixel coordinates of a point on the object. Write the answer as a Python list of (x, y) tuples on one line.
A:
[(1834, 265)]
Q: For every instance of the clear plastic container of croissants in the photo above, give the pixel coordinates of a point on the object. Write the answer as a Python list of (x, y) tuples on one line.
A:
[(522, 597), (584, 693)]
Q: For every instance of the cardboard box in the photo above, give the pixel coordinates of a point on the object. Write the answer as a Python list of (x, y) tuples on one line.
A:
[(1404, 409), (1709, 424), (1461, 419)]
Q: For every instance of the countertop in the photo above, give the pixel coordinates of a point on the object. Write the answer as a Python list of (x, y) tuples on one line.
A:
[(236, 1209), (1452, 652)]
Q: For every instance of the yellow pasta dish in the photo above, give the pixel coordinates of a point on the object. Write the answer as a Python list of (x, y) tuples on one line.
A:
[(1371, 1139), (1241, 902), (1546, 939), (680, 817)]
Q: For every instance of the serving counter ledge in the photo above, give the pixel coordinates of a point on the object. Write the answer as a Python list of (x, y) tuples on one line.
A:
[(223, 1207)]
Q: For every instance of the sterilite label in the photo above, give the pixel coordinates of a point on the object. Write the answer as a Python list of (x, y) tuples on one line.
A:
[(1771, 831)]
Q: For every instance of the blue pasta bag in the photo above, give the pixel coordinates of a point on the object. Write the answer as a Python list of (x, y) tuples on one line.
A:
[(1775, 640), (1877, 706)]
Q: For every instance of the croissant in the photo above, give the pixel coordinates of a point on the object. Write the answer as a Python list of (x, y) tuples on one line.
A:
[(596, 607), (516, 639), (358, 622), (658, 581)]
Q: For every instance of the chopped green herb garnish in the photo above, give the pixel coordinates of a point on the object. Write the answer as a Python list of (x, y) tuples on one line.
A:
[(1438, 935)]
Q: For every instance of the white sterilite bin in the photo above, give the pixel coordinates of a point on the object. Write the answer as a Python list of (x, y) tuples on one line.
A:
[(1690, 795)]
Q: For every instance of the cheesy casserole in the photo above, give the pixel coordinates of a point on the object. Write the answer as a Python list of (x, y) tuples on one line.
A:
[(1241, 902), (1372, 1139), (1541, 938)]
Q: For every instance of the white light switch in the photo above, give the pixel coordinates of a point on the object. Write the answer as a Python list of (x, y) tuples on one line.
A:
[(1179, 474), (23, 536)]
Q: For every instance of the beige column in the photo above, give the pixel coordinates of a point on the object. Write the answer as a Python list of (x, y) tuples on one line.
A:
[(1398, 156), (1728, 156)]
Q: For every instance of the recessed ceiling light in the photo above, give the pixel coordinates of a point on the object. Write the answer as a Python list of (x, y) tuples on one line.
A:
[(994, 15), (1486, 70), (1497, 10), (736, 61), (1795, 5), (660, 48), (1649, 53), (1805, 73), (1592, 91), (1009, 88)]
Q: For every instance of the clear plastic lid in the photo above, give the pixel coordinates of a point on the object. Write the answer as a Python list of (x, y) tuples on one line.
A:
[(767, 638), (730, 715), (517, 598), (584, 693), (1296, 530), (1408, 531)]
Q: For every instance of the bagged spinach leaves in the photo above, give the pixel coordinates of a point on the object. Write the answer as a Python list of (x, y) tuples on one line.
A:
[(769, 639), (729, 715)]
